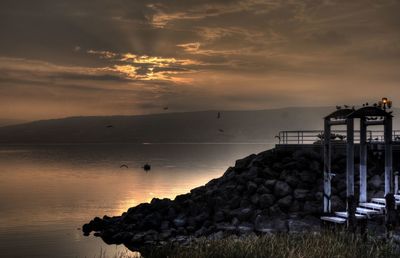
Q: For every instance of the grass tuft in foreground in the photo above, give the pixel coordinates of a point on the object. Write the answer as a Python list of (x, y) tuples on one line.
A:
[(325, 245)]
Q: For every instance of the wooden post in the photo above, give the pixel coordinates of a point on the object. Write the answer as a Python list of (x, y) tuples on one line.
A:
[(388, 156), (350, 157), (363, 161), (327, 166)]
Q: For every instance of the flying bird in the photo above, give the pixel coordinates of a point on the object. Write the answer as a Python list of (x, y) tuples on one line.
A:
[(165, 108), (123, 166), (146, 167), (221, 130), (109, 126)]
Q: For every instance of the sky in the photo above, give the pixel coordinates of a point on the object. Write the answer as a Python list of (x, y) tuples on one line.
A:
[(103, 57)]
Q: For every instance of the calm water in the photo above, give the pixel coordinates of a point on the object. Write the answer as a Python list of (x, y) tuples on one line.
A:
[(47, 192)]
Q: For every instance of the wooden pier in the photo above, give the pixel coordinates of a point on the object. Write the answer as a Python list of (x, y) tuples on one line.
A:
[(352, 141)]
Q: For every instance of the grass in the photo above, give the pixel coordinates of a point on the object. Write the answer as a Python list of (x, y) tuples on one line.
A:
[(327, 245)]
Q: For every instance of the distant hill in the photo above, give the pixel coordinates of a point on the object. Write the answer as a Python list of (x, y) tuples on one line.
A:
[(5, 122), (233, 126)]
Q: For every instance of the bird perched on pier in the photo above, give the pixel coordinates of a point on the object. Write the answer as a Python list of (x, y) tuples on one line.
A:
[(346, 106), (278, 137), (338, 107)]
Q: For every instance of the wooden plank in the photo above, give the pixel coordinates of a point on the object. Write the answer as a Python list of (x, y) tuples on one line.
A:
[(365, 211), (373, 206), (334, 219), (344, 214), (382, 201)]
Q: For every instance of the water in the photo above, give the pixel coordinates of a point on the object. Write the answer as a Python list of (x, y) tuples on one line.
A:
[(48, 192)]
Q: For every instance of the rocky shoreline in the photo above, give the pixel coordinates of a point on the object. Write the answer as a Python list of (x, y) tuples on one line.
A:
[(273, 191)]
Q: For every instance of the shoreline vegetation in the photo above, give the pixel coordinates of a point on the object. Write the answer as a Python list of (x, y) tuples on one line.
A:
[(327, 244), (275, 195)]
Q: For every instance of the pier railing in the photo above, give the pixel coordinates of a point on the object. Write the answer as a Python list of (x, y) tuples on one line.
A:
[(316, 136)]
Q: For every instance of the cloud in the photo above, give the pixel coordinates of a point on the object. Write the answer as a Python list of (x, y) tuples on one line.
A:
[(198, 53)]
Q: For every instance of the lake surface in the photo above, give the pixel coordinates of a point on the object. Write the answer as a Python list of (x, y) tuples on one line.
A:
[(48, 192)]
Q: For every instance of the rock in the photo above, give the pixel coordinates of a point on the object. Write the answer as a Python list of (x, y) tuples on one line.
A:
[(138, 238), (285, 202), (263, 190), (292, 181), (180, 222), (165, 225), (266, 200), (245, 228), (312, 207), (319, 196), (301, 194), (267, 173), (282, 189), (235, 221), (251, 187), (265, 224), (308, 176), (243, 163), (294, 207), (275, 210), (245, 214), (270, 183), (300, 226), (219, 216), (255, 199)]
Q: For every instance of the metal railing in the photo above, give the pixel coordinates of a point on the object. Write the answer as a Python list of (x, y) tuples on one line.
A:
[(316, 136)]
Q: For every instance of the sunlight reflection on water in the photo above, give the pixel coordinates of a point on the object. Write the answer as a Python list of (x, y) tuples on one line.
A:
[(48, 192)]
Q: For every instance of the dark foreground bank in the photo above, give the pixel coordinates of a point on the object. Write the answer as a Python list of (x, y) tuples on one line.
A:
[(273, 192)]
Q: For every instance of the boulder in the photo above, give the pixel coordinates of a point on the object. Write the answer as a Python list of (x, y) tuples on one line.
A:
[(285, 202), (266, 200), (251, 187), (282, 189)]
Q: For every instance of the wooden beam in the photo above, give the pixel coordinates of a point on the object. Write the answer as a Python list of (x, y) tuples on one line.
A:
[(327, 166), (350, 158), (337, 122), (388, 156), (363, 161)]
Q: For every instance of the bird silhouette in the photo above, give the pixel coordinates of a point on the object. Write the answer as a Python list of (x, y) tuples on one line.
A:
[(338, 107), (109, 126), (165, 108), (123, 166), (146, 167), (278, 137), (221, 130), (346, 106)]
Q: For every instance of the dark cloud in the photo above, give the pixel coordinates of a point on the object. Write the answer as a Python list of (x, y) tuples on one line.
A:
[(195, 53)]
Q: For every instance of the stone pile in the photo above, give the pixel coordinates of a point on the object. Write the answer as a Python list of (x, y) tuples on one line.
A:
[(274, 191)]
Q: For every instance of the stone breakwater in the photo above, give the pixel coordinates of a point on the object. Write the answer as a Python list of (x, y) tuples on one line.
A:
[(274, 191)]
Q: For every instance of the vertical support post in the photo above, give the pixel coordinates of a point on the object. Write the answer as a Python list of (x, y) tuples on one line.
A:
[(363, 160), (396, 182), (388, 156), (327, 166), (350, 157)]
